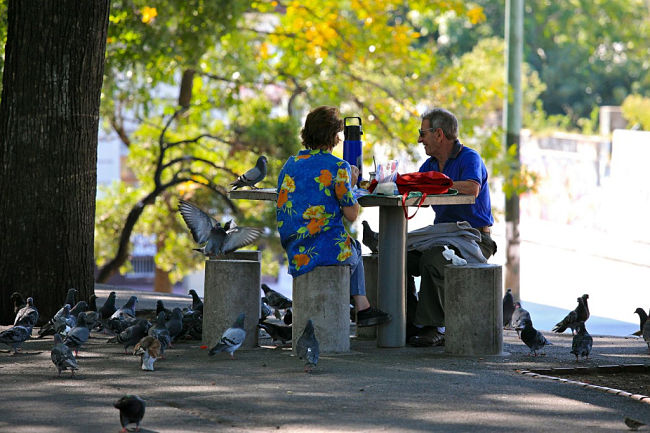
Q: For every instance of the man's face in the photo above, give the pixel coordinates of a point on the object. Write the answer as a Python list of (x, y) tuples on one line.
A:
[(430, 139)]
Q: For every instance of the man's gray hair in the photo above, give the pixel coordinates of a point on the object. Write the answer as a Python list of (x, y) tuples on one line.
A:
[(443, 119)]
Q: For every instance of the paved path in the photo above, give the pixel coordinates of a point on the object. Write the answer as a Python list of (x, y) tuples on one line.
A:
[(265, 389)]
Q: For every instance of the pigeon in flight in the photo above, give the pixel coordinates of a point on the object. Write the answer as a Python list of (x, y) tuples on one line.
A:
[(277, 332), (15, 336), (582, 342), (518, 317), (232, 338), (643, 316), (62, 356), (307, 347), (275, 299), (508, 308), (534, 339), (370, 238), (252, 176), (571, 319), (215, 238), (131, 411), (149, 350)]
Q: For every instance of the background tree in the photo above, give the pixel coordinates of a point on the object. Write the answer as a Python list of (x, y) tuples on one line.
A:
[(49, 115)]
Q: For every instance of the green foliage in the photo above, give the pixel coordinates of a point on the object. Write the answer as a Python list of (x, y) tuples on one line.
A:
[(636, 110)]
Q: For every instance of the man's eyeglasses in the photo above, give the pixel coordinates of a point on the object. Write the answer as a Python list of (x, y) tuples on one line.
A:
[(423, 131)]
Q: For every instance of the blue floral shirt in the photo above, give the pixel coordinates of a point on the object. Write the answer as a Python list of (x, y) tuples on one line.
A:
[(312, 188)]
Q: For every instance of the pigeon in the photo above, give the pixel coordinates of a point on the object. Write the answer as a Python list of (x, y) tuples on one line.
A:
[(160, 306), (518, 317), (274, 299), (232, 338), (131, 411), (643, 316), (216, 240), (78, 335), (193, 324), (149, 350), (160, 331), (81, 306), (62, 356), (56, 324), (288, 317), (17, 300), (265, 310), (582, 342), (92, 303), (71, 297), (370, 238), (197, 303), (633, 424), (570, 319), (127, 309), (534, 339), (131, 335), (307, 347), (15, 336), (108, 308), (277, 332), (583, 309), (646, 333), (175, 323), (28, 315), (252, 176), (508, 308)]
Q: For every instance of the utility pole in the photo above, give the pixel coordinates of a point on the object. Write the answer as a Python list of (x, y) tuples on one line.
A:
[(512, 126)]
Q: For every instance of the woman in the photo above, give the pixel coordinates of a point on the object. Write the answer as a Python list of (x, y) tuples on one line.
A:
[(314, 195)]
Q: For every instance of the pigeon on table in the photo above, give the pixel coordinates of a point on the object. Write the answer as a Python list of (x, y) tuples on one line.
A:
[(209, 233), (277, 332), (131, 335), (28, 315), (175, 324), (518, 316), (17, 300), (534, 339), (197, 303), (232, 338), (275, 300), (15, 336), (307, 347), (643, 316), (582, 342), (370, 238), (57, 323), (571, 319), (132, 410), (508, 308), (149, 350), (252, 176), (62, 356), (78, 335), (160, 331)]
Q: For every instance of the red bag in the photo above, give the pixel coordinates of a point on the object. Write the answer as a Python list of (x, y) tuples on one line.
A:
[(425, 182)]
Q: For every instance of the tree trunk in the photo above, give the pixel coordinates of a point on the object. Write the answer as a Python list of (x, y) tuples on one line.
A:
[(49, 115)]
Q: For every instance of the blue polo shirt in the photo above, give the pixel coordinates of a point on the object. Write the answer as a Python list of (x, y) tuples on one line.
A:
[(464, 164)]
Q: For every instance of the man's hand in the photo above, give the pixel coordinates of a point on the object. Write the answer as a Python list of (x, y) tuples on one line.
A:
[(355, 174)]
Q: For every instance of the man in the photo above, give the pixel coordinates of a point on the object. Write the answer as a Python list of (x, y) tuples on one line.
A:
[(465, 228)]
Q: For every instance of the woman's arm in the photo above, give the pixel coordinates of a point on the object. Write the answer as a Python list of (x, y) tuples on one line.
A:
[(351, 212)]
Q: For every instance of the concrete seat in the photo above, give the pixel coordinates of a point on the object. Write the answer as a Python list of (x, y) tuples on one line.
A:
[(323, 295), (232, 285), (473, 309)]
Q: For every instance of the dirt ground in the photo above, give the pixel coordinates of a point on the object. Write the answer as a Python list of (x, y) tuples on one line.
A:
[(635, 383)]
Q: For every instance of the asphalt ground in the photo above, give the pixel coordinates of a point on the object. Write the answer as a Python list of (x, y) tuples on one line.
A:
[(265, 389)]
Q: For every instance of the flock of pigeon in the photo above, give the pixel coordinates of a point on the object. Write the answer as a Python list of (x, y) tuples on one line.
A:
[(517, 318)]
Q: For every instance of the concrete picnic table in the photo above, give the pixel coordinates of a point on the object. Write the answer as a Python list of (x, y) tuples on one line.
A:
[(391, 280)]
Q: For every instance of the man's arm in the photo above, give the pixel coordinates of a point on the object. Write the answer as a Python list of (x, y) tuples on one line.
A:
[(469, 187)]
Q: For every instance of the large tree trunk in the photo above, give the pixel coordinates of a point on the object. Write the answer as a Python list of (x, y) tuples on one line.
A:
[(49, 115)]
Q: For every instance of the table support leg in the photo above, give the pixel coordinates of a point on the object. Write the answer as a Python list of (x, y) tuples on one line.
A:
[(391, 276)]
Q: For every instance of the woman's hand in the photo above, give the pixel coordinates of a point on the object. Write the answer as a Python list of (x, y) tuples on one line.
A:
[(355, 174)]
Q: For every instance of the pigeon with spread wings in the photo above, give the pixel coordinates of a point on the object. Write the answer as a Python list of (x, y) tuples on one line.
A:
[(215, 238)]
